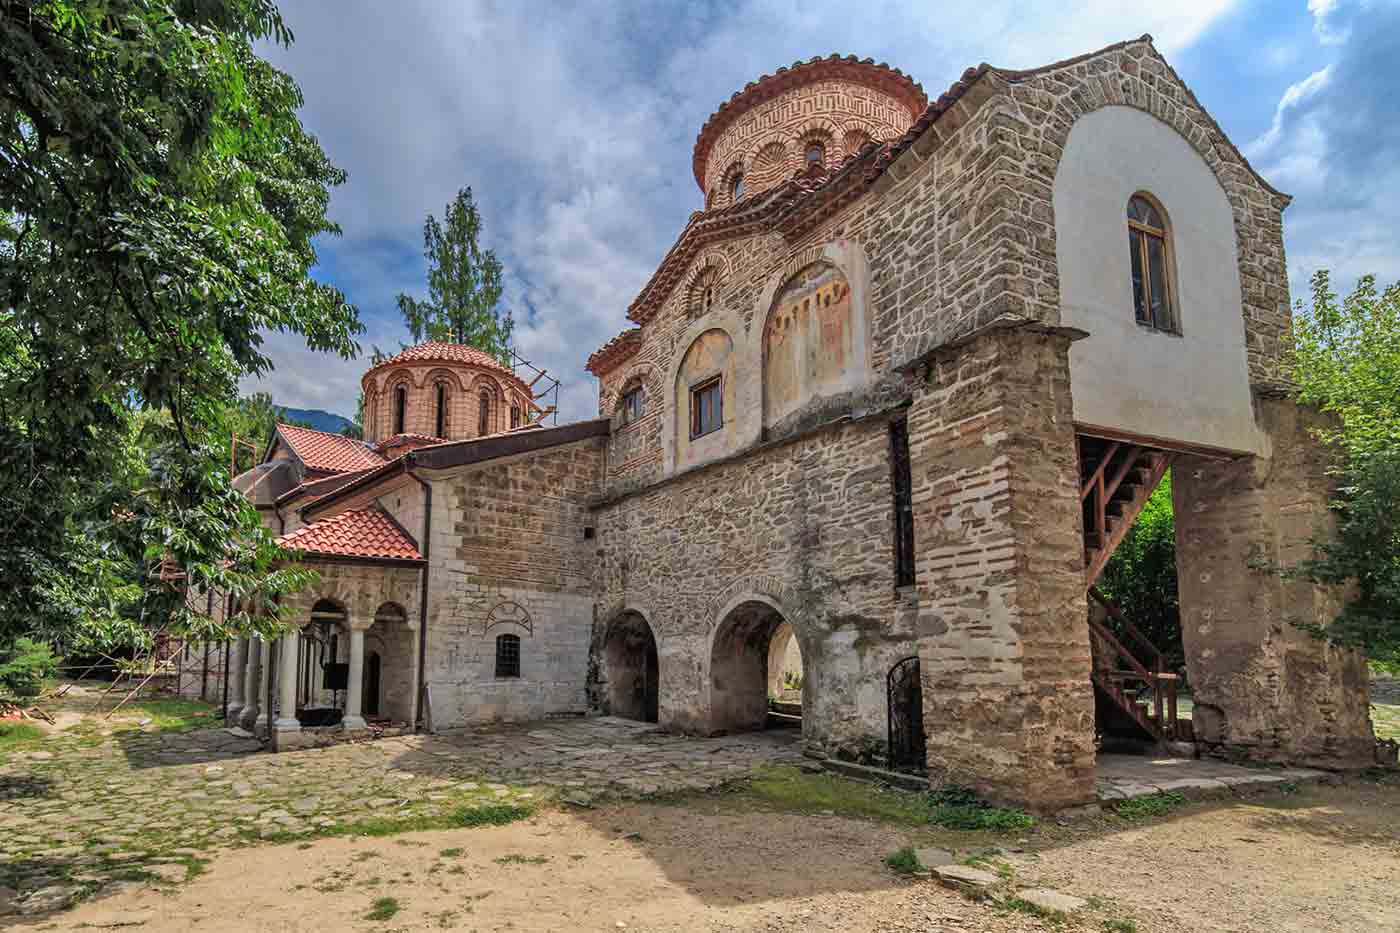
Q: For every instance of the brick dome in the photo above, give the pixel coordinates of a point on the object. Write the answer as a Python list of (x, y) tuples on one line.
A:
[(813, 114), (450, 391)]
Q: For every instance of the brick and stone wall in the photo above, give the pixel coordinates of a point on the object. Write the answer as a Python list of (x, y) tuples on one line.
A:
[(1263, 687), (802, 529), (509, 556), (1003, 640)]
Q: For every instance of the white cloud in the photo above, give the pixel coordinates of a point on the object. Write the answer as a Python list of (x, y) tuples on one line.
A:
[(575, 126)]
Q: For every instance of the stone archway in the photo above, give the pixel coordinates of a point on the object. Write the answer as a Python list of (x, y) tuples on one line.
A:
[(739, 666), (632, 668), (785, 675)]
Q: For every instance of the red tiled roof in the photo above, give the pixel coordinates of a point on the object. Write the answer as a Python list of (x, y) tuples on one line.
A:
[(366, 533), (433, 351), (329, 453), (615, 351), (863, 71)]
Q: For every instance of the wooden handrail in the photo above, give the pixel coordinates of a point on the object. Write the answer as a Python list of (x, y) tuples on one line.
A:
[(1103, 632), (1129, 627), (1093, 480)]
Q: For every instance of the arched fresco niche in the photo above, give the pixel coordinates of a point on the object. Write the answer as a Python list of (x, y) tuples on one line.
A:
[(705, 399), (809, 346)]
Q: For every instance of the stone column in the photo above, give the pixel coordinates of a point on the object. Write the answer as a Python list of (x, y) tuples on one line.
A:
[(354, 693), (1264, 688), (287, 685), (998, 539), (252, 676), (236, 675), (264, 672)]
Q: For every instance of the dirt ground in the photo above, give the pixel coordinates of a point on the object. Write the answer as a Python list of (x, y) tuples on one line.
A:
[(1323, 859)]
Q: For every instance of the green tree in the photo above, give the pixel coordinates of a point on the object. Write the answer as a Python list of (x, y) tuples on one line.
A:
[(464, 285), (1347, 362), (159, 200)]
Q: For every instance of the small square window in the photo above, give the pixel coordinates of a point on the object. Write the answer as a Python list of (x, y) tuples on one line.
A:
[(632, 405), (507, 655), (706, 408)]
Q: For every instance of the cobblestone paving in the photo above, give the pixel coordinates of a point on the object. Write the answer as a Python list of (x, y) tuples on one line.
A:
[(77, 817)]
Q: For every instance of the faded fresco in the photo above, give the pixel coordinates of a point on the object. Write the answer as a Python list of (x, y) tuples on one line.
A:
[(807, 342)]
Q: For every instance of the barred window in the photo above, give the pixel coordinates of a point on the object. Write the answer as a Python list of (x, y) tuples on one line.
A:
[(507, 655)]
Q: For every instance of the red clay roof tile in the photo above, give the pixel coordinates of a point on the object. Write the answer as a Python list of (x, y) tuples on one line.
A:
[(329, 453), (365, 533)]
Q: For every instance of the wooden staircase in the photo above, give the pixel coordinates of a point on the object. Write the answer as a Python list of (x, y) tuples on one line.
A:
[(1117, 478)]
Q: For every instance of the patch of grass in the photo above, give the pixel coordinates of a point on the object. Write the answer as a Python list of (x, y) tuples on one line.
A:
[(954, 807), (468, 815), (516, 858), (450, 853), (903, 861), (1120, 926), (17, 735), (789, 788), (1053, 917), (1149, 807), (383, 908), (166, 714), (1003, 870)]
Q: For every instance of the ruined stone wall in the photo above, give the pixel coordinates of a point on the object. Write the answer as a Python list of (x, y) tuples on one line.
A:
[(804, 527), (509, 556), (1264, 688), (1003, 643)]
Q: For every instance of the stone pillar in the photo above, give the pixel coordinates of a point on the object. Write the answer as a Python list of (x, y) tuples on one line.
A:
[(287, 686), (998, 539), (1265, 689), (264, 672), (252, 677), (237, 675), (354, 692)]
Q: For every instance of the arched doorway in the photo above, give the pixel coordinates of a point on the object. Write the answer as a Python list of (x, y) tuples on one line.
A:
[(740, 665), (633, 669), (370, 700)]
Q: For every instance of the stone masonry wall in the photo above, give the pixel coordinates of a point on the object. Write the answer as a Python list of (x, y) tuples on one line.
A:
[(1003, 644), (804, 527), (1264, 688), (509, 556)]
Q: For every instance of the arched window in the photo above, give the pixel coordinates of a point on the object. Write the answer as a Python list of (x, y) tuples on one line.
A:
[(736, 187), (400, 408), (1148, 250), (440, 425), (483, 425), (515, 416), (507, 655), (816, 154), (632, 403)]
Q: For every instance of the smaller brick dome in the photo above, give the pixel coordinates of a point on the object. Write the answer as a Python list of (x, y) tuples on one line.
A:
[(817, 112), (442, 390)]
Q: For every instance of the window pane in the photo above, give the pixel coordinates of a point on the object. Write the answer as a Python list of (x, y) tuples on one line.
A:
[(1139, 286), (1157, 276)]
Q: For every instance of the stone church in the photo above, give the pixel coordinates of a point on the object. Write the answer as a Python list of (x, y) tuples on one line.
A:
[(889, 403)]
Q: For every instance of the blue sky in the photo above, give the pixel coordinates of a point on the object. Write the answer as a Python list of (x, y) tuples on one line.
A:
[(574, 126)]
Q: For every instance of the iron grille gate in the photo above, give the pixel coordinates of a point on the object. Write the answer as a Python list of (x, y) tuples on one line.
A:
[(906, 702)]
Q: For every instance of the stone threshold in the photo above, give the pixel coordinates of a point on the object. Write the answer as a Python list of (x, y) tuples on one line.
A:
[(1123, 777)]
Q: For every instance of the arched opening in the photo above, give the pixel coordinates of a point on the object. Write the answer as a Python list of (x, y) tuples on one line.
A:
[(483, 424), (440, 421), (400, 408), (633, 669), (740, 662)]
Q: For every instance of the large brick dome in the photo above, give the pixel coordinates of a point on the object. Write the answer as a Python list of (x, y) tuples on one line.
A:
[(812, 115)]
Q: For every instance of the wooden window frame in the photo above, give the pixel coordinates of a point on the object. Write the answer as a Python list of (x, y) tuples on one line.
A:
[(632, 413), (715, 382), (508, 667), (1163, 234), (400, 408), (440, 396)]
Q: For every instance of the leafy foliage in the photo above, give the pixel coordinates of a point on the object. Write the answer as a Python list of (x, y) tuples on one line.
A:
[(1347, 362), (903, 861), (158, 206), (464, 285), (954, 807), (25, 666), (1141, 576)]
